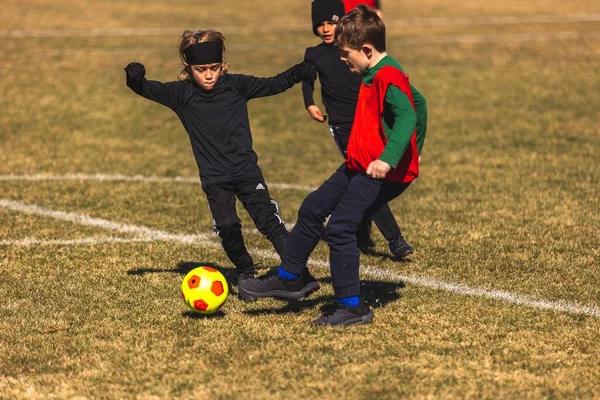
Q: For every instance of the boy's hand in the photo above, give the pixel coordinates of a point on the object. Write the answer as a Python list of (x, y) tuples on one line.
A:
[(315, 113), (378, 169), (135, 71)]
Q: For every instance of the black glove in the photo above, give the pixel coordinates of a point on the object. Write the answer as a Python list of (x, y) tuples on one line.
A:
[(306, 72), (135, 73)]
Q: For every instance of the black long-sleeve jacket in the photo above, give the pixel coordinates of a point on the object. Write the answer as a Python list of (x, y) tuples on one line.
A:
[(217, 120), (339, 86)]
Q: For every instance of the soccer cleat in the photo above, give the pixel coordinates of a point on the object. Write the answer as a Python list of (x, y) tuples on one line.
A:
[(345, 315), (272, 285), (245, 274), (400, 247)]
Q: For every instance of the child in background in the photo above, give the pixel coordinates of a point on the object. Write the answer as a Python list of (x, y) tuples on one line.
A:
[(382, 160), (212, 105), (374, 4), (339, 92)]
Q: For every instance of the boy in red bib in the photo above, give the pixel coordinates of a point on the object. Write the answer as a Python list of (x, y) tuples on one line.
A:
[(382, 160)]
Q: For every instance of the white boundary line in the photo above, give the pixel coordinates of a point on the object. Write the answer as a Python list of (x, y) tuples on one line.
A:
[(131, 178), (458, 21), (498, 38), (82, 219), (393, 42), (367, 270), (72, 242)]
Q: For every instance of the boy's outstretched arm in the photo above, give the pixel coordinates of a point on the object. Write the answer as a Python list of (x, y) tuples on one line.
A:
[(166, 94), (253, 87)]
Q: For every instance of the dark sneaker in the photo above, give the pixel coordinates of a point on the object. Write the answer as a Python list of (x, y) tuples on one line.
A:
[(400, 247), (244, 274), (271, 285), (345, 315)]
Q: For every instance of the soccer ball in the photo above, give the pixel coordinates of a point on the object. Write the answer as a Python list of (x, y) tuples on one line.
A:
[(204, 290)]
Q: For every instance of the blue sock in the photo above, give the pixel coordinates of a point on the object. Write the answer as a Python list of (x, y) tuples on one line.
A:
[(288, 276), (351, 301)]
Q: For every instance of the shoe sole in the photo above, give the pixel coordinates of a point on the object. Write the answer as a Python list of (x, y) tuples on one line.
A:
[(246, 297), (364, 319), (405, 254), (249, 295)]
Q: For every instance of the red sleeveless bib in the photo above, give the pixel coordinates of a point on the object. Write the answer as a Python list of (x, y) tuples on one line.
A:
[(367, 138)]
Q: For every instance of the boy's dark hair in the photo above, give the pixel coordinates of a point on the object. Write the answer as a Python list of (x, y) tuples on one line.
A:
[(361, 25)]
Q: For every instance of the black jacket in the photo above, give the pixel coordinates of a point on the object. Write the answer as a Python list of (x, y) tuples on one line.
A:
[(339, 86), (217, 120)]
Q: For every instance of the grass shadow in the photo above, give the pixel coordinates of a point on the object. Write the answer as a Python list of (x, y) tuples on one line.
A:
[(194, 315), (376, 294), (384, 255), (291, 306), (372, 252), (183, 267)]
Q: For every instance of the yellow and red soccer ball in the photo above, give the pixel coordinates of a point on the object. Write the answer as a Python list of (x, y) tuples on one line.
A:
[(204, 290)]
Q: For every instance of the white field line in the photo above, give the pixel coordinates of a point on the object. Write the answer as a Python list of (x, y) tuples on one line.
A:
[(496, 20), (82, 219), (131, 178), (498, 38), (458, 21), (73, 242), (367, 270), (99, 240), (392, 43)]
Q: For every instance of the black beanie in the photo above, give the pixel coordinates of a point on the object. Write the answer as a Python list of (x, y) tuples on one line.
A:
[(326, 10)]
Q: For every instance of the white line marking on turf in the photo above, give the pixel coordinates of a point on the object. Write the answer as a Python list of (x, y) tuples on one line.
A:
[(73, 242), (514, 37), (393, 42), (496, 20), (83, 219), (457, 21), (131, 178), (367, 270)]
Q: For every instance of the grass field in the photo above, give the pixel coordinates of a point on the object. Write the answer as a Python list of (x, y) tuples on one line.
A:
[(500, 300)]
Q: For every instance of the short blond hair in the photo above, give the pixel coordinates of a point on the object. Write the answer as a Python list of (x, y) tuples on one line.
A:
[(360, 26), (189, 38)]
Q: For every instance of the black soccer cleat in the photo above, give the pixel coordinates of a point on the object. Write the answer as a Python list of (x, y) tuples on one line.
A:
[(345, 315), (272, 285), (400, 247), (245, 274)]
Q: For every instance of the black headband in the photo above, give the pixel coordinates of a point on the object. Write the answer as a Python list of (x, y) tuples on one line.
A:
[(204, 53)]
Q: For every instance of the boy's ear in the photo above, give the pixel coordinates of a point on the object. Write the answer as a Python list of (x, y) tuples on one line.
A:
[(367, 50)]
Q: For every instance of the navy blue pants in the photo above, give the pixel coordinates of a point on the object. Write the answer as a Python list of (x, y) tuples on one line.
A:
[(383, 218), (349, 198)]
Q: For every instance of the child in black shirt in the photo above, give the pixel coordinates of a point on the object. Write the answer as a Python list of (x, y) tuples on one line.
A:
[(212, 105)]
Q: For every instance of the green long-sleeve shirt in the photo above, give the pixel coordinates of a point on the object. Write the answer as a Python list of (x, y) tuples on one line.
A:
[(399, 118)]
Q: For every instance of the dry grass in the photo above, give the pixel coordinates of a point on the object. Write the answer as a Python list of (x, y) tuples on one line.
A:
[(507, 200)]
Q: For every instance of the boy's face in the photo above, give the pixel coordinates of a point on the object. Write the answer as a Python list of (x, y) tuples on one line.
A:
[(206, 76), (356, 60), (326, 31)]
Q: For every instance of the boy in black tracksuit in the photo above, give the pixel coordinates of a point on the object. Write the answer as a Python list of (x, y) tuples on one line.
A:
[(212, 105), (339, 92)]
